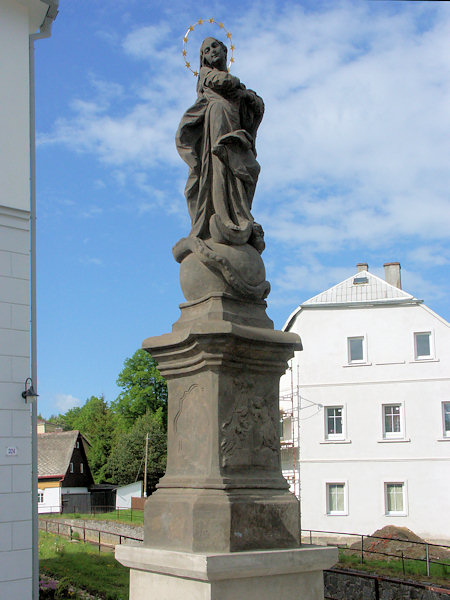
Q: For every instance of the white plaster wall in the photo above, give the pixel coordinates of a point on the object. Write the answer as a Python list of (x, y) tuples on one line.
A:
[(17, 20), (363, 459), (14, 106), (52, 501), (126, 492)]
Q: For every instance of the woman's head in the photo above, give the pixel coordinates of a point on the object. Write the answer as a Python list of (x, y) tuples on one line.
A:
[(213, 53)]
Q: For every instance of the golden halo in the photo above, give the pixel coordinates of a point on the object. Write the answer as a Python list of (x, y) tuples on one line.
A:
[(191, 28)]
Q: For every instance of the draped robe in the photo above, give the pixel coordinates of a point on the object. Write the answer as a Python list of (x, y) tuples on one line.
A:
[(216, 138)]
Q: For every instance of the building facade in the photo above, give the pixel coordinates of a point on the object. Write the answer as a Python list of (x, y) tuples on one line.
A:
[(366, 409), (19, 19), (64, 476)]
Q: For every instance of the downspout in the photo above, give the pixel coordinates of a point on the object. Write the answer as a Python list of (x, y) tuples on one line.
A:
[(44, 32)]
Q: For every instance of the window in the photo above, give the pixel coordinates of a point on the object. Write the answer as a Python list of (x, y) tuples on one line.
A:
[(336, 499), (333, 422), (77, 444), (286, 428), (40, 496), (422, 345), (71, 467), (392, 421), (81, 468), (395, 503), (355, 349), (446, 418)]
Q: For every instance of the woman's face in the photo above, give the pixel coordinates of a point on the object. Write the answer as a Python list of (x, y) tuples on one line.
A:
[(214, 53)]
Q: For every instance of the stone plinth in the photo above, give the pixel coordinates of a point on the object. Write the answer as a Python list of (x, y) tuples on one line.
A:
[(223, 490), (263, 575)]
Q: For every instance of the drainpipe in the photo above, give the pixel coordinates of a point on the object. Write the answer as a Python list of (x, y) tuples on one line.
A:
[(44, 32)]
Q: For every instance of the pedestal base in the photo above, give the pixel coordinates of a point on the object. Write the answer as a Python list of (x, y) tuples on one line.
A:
[(295, 574)]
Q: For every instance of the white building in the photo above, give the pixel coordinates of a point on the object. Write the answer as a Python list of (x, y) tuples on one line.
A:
[(124, 494), (19, 19), (369, 400)]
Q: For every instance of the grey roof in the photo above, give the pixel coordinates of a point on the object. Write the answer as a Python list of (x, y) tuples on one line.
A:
[(347, 292), (54, 452)]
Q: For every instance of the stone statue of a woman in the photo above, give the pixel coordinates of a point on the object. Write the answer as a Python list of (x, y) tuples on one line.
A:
[(216, 138)]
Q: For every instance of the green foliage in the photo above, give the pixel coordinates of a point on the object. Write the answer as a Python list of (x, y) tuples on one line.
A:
[(97, 422), (412, 568), (143, 389), (113, 430), (83, 567), (126, 462)]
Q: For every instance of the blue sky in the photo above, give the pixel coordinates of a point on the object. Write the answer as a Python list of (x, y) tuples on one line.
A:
[(354, 150)]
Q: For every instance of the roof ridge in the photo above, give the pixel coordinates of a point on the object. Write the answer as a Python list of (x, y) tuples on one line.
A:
[(374, 290)]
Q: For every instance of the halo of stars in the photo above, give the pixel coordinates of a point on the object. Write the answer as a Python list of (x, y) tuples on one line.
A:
[(186, 39)]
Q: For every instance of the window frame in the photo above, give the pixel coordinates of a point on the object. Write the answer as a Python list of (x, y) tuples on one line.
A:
[(336, 513), (445, 431), (393, 435), (424, 357), (334, 436), (357, 361), (396, 513)]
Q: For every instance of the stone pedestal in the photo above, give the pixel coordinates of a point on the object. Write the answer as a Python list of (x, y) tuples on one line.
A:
[(263, 575), (223, 490), (222, 524)]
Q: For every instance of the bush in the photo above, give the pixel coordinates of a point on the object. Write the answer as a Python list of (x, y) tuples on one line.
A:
[(47, 588)]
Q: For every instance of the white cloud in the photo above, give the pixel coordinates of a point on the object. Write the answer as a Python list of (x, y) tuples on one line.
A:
[(92, 260), (66, 401), (146, 42), (354, 145)]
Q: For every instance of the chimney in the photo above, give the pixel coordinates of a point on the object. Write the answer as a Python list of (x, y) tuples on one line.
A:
[(392, 274), (362, 267)]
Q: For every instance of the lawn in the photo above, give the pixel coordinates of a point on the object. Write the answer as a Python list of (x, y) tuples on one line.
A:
[(135, 517), (407, 569), (82, 564)]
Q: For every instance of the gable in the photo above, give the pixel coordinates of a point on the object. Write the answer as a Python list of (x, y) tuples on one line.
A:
[(54, 452), (359, 288)]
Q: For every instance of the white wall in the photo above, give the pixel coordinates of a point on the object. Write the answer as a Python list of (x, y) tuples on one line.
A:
[(126, 492), (52, 500), (363, 459), (17, 20)]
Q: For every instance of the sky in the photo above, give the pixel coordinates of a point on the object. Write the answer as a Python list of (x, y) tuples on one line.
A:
[(354, 151)]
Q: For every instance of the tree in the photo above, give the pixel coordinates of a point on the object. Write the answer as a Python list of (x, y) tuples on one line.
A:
[(143, 389), (126, 461), (97, 422)]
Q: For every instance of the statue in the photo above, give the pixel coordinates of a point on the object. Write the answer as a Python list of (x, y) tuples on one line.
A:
[(216, 138)]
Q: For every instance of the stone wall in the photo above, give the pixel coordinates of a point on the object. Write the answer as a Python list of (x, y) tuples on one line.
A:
[(351, 585), (110, 531)]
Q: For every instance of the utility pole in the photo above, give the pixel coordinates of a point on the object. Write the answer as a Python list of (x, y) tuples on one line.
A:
[(145, 467)]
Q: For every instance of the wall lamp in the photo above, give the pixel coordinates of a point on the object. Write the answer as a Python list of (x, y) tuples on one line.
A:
[(29, 394)]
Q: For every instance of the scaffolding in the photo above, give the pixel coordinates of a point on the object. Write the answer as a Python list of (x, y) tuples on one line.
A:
[(289, 409)]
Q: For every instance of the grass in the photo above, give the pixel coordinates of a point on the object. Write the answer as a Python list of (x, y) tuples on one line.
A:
[(98, 573), (408, 569), (134, 517)]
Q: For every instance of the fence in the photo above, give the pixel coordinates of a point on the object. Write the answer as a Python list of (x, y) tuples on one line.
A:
[(402, 556), (340, 584), (93, 535), (128, 513)]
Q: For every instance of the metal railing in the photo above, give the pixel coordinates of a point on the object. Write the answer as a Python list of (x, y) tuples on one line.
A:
[(63, 529), (92, 510), (402, 556)]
